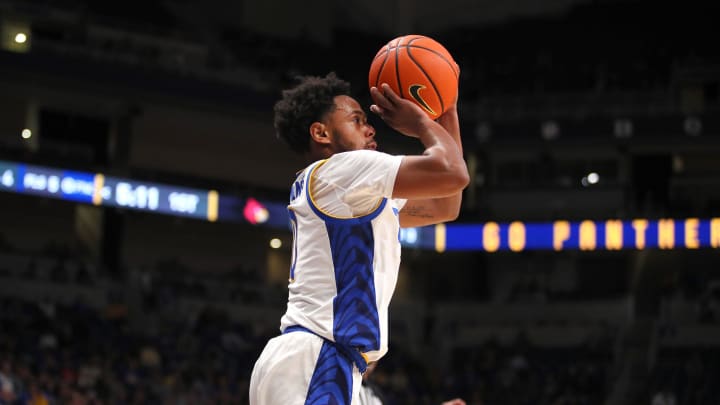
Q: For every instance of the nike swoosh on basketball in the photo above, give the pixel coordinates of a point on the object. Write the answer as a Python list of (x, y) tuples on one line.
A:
[(414, 90)]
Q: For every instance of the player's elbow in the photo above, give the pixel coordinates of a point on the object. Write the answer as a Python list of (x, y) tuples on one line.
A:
[(453, 171), (463, 177), (451, 214), (457, 178), (431, 177), (451, 183)]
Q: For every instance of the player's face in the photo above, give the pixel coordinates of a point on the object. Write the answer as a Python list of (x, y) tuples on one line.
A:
[(348, 126)]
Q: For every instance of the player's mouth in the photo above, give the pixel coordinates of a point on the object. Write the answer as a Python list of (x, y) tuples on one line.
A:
[(371, 146)]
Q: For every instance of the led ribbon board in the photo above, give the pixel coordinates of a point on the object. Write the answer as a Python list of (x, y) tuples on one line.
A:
[(97, 189), (588, 235), (517, 236)]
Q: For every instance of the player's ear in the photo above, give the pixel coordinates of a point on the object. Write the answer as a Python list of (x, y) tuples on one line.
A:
[(318, 133)]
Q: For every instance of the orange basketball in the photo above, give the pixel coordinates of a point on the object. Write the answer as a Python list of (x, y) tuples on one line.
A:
[(419, 69)]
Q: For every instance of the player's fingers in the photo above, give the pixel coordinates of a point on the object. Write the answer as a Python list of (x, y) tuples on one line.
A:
[(380, 99), (390, 94), (377, 110)]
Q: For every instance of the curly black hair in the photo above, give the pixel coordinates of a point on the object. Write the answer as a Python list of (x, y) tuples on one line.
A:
[(304, 104)]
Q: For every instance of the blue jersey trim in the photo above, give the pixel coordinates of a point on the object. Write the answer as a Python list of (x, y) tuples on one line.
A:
[(293, 225)]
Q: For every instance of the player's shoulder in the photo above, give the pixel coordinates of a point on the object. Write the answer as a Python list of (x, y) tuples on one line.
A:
[(356, 154), (339, 157), (339, 164), (361, 156), (353, 163)]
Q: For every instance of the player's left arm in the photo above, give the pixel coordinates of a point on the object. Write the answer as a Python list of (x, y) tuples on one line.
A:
[(436, 210)]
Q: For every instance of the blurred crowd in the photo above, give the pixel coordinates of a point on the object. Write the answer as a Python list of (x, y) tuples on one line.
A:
[(72, 350), (74, 354), (77, 353), (685, 376), (75, 348)]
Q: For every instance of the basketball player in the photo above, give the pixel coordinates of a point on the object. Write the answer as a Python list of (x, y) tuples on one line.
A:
[(346, 209)]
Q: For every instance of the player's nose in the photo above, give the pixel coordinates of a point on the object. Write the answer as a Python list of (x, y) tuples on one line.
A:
[(370, 131)]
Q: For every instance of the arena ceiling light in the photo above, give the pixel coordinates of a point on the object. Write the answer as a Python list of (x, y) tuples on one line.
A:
[(15, 35), (21, 38), (591, 179)]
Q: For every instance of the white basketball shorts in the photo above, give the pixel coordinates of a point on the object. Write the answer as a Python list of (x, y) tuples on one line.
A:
[(300, 368)]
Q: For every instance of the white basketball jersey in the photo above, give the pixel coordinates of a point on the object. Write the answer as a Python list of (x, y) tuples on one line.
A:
[(346, 250)]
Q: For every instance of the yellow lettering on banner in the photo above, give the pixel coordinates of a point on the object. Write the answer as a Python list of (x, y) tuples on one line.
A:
[(613, 235), (691, 233), (561, 233), (491, 237), (98, 184), (588, 235), (666, 234), (640, 226), (440, 237), (715, 232), (516, 235), (213, 200)]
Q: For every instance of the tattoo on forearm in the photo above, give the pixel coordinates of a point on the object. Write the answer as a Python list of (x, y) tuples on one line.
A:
[(417, 211)]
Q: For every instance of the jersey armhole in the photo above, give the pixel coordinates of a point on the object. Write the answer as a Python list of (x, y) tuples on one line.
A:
[(329, 217)]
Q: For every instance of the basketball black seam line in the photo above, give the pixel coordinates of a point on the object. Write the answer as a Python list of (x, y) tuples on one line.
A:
[(439, 96), (397, 68), (382, 66), (436, 53)]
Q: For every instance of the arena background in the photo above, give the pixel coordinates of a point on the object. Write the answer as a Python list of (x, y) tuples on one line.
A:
[(141, 185)]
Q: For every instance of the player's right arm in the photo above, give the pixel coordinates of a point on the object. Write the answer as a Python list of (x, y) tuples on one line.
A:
[(440, 171)]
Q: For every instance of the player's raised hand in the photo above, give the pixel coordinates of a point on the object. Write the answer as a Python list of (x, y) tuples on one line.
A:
[(402, 115)]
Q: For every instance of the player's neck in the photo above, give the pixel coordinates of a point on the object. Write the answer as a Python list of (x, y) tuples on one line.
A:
[(318, 153)]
